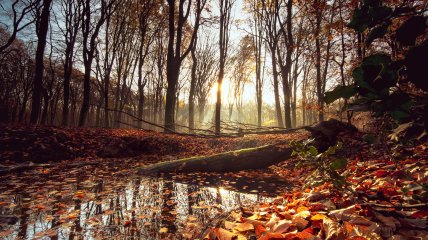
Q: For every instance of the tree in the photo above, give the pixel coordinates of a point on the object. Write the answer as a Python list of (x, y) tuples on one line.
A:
[(192, 86), (72, 16), (243, 67), (146, 39), (258, 41), (206, 71), (272, 33), (42, 26), (176, 54), (20, 10), (90, 30), (285, 64), (225, 22)]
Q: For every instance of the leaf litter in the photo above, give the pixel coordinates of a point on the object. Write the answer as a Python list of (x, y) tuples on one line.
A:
[(385, 199)]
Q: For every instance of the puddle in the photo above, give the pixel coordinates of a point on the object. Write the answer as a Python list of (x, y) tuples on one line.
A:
[(96, 204)]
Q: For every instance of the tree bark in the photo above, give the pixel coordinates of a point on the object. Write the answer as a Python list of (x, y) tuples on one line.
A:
[(278, 111), (42, 31), (250, 158), (192, 87), (175, 54)]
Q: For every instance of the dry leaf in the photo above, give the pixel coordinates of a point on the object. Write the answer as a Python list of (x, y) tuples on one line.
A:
[(242, 227), (331, 229), (221, 234)]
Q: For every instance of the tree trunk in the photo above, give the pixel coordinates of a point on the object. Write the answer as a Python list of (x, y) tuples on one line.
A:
[(173, 71), (42, 31), (278, 111), (192, 87), (45, 106), (86, 94), (251, 158), (67, 77), (318, 68), (201, 110)]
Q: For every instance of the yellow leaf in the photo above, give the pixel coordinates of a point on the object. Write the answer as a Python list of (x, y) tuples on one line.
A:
[(318, 217), (163, 230), (242, 227), (229, 225), (302, 208)]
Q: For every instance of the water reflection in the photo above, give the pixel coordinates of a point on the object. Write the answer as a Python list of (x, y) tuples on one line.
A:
[(102, 206)]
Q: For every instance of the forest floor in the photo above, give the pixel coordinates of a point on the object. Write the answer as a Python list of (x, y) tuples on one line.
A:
[(49, 173)]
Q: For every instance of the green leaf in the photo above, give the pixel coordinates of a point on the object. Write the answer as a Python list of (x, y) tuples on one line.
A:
[(377, 32), (399, 115), (313, 151), (339, 92), (339, 163)]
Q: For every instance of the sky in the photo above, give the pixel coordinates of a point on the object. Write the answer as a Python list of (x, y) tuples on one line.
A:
[(236, 33)]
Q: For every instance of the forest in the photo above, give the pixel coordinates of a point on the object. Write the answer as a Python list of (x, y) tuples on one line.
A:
[(214, 119)]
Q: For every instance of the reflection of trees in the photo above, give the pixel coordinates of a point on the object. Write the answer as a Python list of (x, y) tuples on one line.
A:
[(76, 229), (23, 224), (168, 219)]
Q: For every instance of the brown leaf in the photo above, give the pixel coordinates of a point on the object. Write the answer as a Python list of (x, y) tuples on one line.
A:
[(331, 229), (242, 227), (221, 234)]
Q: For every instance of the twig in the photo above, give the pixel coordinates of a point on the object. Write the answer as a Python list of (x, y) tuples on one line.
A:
[(420, 205)]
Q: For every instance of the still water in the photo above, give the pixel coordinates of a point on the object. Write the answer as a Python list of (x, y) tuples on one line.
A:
[(93, 203)]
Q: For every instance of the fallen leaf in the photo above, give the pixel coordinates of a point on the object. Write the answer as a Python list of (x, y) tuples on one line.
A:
[(221, 234), (331, 229), (272, 236), (281, 226), (317, 217)]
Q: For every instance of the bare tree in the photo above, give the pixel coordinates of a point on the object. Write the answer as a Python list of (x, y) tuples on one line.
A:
[(258, 39), (20, 11), (205, 73), (225, 22), (271, 13), (42, 26), (90, 30), (72, 17), (285, 64), (176, 54), (146, 40)]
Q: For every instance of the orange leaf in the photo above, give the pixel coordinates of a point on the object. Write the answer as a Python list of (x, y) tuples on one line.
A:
[(272, 236), (302, 208), (381, 173), (220, 234), (348, 227), (259, 230), (304, 235)]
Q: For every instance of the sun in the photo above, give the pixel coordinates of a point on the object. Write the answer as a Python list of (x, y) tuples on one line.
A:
[(212, 96)]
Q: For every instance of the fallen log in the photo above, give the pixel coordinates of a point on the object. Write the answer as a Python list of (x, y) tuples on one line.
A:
[(324, 134), (249, 158)]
